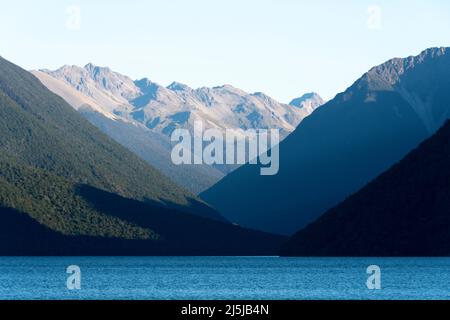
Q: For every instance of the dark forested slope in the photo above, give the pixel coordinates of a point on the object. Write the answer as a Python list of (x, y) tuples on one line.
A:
[(404, 212)]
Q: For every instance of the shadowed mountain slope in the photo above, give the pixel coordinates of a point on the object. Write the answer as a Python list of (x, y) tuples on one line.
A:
[(403, 212), (342, 146)]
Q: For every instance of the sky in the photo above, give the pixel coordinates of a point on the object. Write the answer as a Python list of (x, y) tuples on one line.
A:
[(283, 48)]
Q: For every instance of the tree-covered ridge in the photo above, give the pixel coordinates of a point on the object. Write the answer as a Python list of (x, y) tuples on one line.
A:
[(53, 201), (44, 214)]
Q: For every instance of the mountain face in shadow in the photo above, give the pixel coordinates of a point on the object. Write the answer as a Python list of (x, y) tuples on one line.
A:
[(403, 212), (342, 146), (163, 232)]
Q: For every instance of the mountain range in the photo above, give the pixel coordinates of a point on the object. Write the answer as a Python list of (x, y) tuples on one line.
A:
[(85, 166), (342, 145), (141, 115), (66, 188)]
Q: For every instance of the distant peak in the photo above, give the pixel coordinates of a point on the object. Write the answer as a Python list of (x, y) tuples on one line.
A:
[(230, 88), (92, 68), (44, 70), (177, 86), (69, 67), (225, 86), (144, 83), (436, 51), (387, 74), (147, 86), (309, 95), (67, 70), (262, 96), (308, 98)]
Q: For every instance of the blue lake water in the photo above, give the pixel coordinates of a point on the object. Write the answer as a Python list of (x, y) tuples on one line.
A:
[(223, 278)]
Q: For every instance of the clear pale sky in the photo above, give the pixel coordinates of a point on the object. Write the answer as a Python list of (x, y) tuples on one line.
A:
[(283, 48)]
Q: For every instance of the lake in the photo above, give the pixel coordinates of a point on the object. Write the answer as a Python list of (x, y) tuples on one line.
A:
[(223, 278)]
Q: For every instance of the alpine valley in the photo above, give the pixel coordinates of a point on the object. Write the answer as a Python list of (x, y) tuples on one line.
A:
[(85, 166), (66, 188)]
